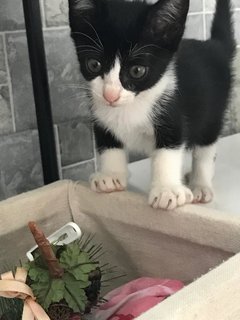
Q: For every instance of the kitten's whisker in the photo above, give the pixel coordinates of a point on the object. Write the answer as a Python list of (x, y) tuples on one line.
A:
[(100, 42), (90, 90), (146, 46), (134, 47), (90, 38), (74, 86), (87, 50), (80, 95), (130, 49), (90, 47)]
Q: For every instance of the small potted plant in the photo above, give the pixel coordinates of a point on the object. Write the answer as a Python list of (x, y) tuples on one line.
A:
[(65, 279)]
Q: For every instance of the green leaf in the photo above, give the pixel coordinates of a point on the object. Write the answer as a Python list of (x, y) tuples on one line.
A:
[(69, 279), (38, 274), (87, 268), (83, 258), (48, 293), (78, 274), (78, 295), (55, 293), (69, 258), (71, 303), (40, 291), (73, 256)]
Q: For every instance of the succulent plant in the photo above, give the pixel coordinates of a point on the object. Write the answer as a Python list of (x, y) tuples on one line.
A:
[(66, 280)]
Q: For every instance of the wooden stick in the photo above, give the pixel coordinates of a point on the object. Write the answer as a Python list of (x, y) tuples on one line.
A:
[(55, 270)]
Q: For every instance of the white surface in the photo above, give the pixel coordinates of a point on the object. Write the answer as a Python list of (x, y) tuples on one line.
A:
[(226, 181)]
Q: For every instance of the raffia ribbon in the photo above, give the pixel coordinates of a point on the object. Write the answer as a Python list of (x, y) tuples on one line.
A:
[(16, 287)]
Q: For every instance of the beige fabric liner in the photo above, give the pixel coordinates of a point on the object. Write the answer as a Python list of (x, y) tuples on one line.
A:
[(183, 244)]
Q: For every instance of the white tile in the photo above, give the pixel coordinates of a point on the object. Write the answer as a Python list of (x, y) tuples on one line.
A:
[(236, 3), (211, 4), (237, 26), (56, 12), (194, 27), (209, 19), (196, 5)]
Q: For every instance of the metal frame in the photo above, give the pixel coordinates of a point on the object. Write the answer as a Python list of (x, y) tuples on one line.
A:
[(32, 14)]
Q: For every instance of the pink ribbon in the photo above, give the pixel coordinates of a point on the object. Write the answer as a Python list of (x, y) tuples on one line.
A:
[(16, 287)]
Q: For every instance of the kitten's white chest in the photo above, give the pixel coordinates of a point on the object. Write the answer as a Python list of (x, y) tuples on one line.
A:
[(129, 125), (137, 139)]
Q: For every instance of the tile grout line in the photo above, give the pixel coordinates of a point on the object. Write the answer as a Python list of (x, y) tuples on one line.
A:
[(204, 11), (12, 31), (9, 83), (71, 166), (56, 28)]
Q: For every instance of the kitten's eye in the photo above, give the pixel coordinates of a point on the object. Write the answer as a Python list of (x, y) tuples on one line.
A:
[(137, 72), (94, 65)]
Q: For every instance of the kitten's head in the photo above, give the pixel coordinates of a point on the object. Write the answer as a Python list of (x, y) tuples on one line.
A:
[(125, 47)]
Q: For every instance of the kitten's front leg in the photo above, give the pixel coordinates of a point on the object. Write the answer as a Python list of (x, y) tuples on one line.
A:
[(167, 190), (112, 174), (202, 173)]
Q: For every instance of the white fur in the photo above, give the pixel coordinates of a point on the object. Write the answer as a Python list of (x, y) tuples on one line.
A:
[(167, 167), (112, 78), (113, 175), (130, 117), (113, 160), (167, 191), (202, 173)]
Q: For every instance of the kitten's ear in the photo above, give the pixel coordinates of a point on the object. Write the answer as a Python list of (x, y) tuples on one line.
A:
[(81, 6), (80, 10), (166, 22)]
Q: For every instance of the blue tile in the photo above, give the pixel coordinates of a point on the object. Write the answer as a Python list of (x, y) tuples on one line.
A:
[(56, 12), (21, 81), (69, 100), (6, 124), (76, 141), (21, 168), (11, 15), (3, 73), (80, 172)]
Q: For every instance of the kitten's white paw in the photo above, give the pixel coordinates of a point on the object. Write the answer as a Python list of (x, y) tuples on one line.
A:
[(101, 182), (169, 197), (202, 194)]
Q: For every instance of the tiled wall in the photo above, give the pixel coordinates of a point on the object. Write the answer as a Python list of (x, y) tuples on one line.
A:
[(20, 165)]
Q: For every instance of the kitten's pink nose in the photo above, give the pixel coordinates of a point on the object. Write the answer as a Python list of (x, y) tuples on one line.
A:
[(111, 95)]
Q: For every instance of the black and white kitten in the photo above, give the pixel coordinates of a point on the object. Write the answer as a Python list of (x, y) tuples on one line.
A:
[(153, 92)]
